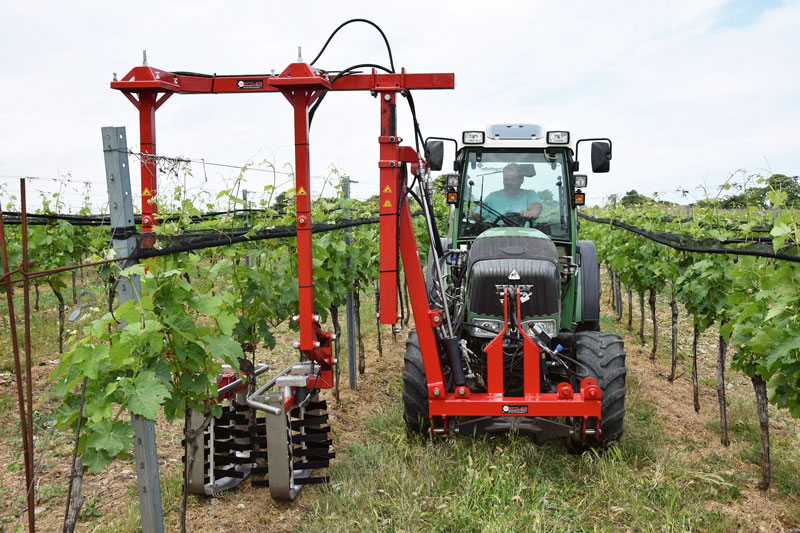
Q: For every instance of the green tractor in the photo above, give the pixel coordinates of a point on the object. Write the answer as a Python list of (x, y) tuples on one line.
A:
[(513, 229)]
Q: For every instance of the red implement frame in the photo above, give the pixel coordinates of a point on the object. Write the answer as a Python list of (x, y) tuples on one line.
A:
[(533, 402), (148, 88)]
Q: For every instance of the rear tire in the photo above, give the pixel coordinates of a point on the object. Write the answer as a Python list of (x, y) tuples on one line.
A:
[(603, 355), (415, 388)]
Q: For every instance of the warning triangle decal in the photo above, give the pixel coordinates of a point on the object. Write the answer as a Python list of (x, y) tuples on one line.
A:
[(301, 192), (387, 204), (387, 189), (146, 192), (514, 274)]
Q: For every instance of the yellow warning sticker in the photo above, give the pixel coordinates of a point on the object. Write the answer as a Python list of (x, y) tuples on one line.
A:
[(301, 192), (387, 204), (387, 189), (146, 192)]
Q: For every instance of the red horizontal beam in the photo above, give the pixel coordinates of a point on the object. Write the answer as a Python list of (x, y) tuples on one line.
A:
[(144, 78), (488, 404)]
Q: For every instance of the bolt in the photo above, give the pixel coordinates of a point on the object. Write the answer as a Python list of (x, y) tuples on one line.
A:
[(436, 392), (296, 344), (391, 139), (387, 97), (436, 319), (302, 220), (462, 391), (391, 164), (295, 318)]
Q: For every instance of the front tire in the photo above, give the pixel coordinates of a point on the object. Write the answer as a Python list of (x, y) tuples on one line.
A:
[(603, 356), (415, 388)]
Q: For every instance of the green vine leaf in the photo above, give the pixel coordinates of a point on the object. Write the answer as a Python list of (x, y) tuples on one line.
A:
[(145, 394)]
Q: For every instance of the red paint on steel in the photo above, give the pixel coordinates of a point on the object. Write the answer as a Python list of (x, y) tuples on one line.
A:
[(390, 189), (164, 81), (531, 357), (302, 86), (487, 404), (147, 147), (494, 354), (419, 302)]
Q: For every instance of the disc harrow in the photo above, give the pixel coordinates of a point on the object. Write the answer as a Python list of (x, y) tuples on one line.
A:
[(277, 438)]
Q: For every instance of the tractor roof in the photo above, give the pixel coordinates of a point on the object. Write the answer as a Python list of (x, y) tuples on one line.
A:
[(513, 135)]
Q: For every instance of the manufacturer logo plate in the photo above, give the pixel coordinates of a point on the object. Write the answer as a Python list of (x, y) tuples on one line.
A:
[(250, 84)]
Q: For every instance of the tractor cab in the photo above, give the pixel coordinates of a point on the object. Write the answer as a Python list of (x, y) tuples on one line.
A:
[(513, 200), (513, 268)]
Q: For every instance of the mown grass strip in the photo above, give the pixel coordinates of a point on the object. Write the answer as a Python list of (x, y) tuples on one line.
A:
[(391, 482)]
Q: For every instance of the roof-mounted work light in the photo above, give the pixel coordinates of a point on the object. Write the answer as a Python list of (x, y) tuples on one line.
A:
[(557, 137), (473, 137)]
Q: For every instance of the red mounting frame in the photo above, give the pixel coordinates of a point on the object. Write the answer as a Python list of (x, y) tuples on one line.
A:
[(533, 402), (148, 88)]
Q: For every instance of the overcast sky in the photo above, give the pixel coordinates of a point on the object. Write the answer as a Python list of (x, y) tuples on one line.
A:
[(689, 92)]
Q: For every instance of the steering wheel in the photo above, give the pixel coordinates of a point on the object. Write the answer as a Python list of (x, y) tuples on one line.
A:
[(513, 218)]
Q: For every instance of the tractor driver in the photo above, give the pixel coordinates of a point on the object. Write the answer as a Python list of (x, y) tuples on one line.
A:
[(512, 198)]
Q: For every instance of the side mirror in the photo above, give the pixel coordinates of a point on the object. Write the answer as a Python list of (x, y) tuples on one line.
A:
[(601, 157), (434, 154)]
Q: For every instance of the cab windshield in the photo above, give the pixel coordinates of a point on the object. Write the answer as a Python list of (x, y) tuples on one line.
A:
[(514, 188)]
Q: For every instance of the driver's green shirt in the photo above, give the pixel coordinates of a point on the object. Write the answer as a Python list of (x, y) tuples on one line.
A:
[(504, 203)]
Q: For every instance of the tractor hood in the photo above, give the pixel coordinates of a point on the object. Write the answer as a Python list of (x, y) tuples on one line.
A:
[(513, 258), (512, 231)]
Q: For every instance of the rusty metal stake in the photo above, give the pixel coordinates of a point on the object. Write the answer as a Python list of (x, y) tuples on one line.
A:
[(26, 299), (23, 419)]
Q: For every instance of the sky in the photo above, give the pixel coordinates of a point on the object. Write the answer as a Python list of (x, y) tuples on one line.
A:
[(692, 94)]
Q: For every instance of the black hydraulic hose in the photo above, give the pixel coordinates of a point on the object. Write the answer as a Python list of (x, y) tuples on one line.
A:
[(365, 21), (437, 244), (417, 130), (346, 72)]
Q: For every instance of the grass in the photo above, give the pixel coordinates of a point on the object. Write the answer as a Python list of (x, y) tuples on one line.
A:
[(744, 430), (130, 520), (391, 482)]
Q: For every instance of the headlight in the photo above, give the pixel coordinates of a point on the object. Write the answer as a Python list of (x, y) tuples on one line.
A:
[(549, 327), (558, 137), (580, 181), (473, 137), (487, 327), (452, 180)]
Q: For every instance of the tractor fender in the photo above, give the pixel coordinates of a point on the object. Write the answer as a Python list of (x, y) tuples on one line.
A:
[(590, 286)]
